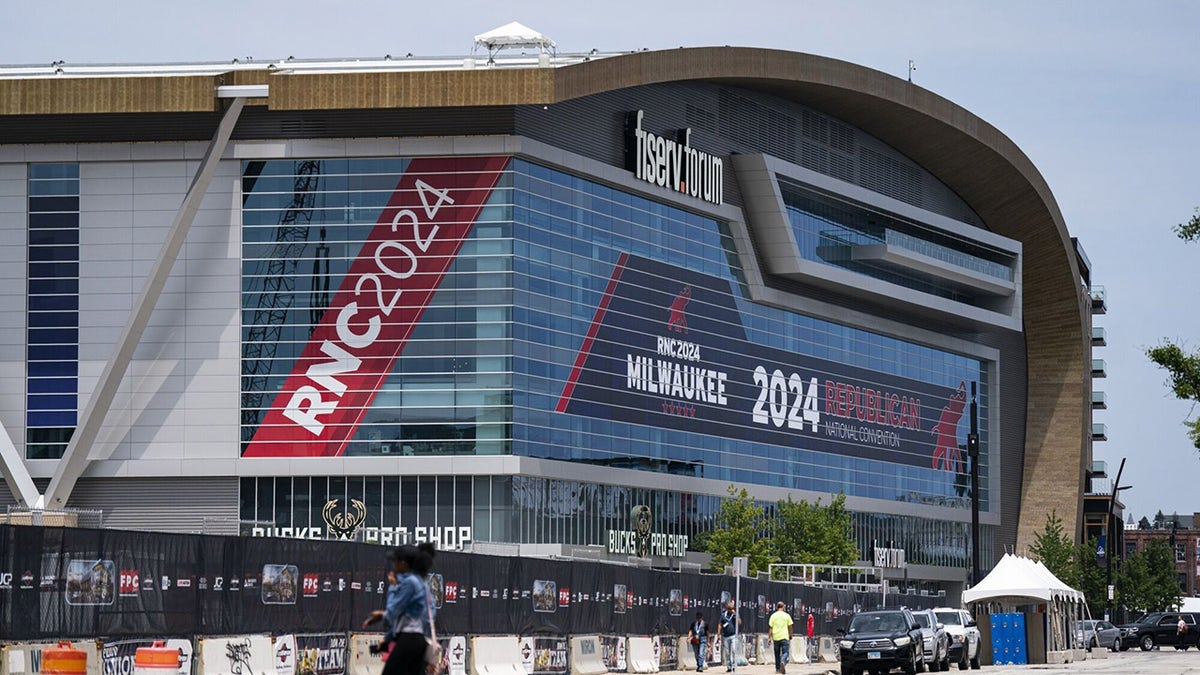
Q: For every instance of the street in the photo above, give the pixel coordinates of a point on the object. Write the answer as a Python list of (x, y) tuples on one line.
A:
[(1158, 662)]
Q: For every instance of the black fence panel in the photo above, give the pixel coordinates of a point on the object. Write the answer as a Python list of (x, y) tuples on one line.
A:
[(79, 583)]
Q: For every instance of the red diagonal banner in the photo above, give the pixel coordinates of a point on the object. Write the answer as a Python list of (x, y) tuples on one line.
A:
[(400, 267)]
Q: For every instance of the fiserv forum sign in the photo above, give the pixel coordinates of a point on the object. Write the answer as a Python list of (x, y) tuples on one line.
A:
[(673, 163)]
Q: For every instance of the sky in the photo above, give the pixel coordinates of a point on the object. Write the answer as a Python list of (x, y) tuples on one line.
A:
[(1104, 97)]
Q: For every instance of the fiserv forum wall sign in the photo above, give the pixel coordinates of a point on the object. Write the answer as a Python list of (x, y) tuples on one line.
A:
[(672, 162), (668, 348)]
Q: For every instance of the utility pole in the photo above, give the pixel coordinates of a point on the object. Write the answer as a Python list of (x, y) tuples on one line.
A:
[(973, 454)]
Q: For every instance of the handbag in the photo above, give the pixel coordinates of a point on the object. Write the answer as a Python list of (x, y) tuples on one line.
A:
[(433, 648)]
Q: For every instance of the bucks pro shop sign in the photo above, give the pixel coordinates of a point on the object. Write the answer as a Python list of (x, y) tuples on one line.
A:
[(642, 542)]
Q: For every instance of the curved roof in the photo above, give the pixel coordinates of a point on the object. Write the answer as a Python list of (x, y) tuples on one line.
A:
[(987, 170), (969, 155)]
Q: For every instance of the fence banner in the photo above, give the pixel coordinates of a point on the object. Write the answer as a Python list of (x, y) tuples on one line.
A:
[(285, 655), (612, 648), (321, 654), (455, 650), (74, 583)]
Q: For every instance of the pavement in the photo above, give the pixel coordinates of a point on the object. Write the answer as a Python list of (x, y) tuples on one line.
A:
[(1157, 662)]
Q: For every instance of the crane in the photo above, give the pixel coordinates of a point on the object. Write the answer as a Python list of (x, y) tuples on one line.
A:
[(278, 275)]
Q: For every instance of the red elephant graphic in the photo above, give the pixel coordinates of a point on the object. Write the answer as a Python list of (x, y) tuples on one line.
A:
[(677, 320), (946, 454)]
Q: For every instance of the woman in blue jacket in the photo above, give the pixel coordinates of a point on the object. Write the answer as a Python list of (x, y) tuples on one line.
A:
[(408, 612)]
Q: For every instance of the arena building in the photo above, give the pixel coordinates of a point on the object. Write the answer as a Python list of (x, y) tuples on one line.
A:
[(562, 301)]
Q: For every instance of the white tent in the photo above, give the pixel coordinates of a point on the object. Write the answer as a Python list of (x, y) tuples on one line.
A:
[(1019, 580), (513, 34)]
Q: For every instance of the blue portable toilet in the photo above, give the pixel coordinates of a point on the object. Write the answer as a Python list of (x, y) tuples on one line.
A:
[(1008, 639)]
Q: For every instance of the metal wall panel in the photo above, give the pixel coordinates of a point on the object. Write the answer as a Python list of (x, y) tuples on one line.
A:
[(726, 121), (160, 504)]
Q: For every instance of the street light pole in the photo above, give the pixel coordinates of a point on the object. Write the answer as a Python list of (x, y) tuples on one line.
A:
[(973, 454), (1108, 540)]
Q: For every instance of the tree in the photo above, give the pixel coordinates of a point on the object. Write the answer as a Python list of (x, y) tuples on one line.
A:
[(741, 530), (814, 534), (1144, 523), (1147, 580), (1183, 368), (1090, 576), (1056, 550)]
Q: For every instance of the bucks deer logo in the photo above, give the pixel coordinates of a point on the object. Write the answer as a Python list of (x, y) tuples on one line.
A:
[(640, 517), (343, 524)]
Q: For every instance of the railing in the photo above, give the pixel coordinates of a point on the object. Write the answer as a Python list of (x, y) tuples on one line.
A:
[(845, 577), (86, 518)]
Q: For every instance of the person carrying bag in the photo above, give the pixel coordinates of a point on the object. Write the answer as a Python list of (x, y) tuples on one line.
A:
[(408, 615), (698, 637)]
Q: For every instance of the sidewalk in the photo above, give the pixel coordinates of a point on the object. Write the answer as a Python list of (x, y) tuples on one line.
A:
[(768, 669)]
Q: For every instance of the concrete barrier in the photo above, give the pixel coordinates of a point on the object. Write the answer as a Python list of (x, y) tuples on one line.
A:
[(237, 655), (687, 655), (496, 656), (827, 651), (25, 658), (361, 660), (639, 655), (764, 650), (456, 654), (585, 656), (799, 650)]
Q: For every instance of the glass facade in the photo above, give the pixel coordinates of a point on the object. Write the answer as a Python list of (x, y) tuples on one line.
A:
[(52, 314), (569, 233), (827, 231), (521, 350), (535, 510), (304, 224)]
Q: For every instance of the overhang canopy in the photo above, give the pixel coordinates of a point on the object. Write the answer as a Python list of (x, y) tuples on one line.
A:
[(513, 34)]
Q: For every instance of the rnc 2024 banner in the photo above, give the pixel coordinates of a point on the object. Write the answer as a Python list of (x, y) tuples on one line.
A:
[(667, 348), (380, 301)]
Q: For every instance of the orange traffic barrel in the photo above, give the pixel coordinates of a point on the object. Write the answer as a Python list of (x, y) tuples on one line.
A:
[(64, 660), (157, 659)]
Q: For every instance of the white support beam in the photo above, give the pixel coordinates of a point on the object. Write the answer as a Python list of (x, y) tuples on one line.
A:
[(77, 456), (16, 474)]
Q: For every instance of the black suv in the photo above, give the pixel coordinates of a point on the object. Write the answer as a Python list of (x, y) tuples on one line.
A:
[(881, 640), (1160, 629)]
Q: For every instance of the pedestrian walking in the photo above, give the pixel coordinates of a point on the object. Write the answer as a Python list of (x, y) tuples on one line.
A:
[(698, 638), (730, 622), (781, 635), (408, 614)]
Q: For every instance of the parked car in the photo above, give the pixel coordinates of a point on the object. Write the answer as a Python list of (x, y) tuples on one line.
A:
[(935, 640), (964, 636), (1160, 629), (1097, 633), (880, 641)]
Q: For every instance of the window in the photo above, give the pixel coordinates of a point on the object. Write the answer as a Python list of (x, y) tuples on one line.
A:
[(1180, 552), (52, 310)]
